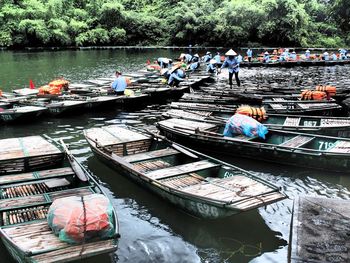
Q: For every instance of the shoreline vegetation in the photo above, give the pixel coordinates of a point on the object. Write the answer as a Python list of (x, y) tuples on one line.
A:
[(251, 23)]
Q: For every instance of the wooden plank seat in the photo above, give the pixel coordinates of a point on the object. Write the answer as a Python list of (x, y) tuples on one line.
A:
[(181, 169), (340, 147), (244, 138), (277, 106), (150, 155), (243, 191), (297, 141), (278, 99), (333, 122), (37, 175), (42, 198), (37, 238), (291, 121)]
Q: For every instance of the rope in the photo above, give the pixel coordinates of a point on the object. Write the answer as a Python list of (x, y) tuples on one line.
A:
[(84, 239)]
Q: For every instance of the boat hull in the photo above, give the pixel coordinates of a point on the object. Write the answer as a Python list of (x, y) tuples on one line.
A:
[(190, 205), (262, 152)]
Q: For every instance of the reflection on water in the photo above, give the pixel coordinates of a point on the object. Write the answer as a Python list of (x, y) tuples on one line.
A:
[(153, 230)]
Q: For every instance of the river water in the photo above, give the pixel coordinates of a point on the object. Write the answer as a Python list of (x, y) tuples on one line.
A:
[(151, 229)]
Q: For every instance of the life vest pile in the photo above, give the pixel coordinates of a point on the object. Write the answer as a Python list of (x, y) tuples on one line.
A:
[(257, 113), (330, 90), (313, 95), (153, 67), (54, 88)]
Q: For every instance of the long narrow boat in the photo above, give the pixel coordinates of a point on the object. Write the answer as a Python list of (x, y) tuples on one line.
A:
[(198, 184), (27, 154), (285, 147), (332, 126), (304, 63), (24, 205), (22, 113)]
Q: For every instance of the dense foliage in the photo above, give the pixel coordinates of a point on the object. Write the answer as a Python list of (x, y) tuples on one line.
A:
[(169, 22)]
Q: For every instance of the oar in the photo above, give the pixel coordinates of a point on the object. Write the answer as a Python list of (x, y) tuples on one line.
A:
[(74, 163)]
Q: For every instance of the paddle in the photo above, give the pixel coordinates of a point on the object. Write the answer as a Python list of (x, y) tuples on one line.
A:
[(80, 172)]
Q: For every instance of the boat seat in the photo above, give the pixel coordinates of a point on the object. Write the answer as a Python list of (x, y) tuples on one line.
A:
[(278, 99), (297, 141), (11, 203), (38, 239), (291, 121), (340, 147), (150, 155), (181, 169), (277, 106), (37, 175)]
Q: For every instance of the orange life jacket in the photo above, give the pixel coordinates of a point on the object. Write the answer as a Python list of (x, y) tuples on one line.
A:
[(257, 113), (313, 95)]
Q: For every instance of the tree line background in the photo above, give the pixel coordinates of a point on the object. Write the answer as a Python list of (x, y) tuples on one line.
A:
[(305, 23)]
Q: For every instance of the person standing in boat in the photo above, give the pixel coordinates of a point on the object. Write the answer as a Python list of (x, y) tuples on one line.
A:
[(232, 64), (249, 55), (119, 84), (193, 66)]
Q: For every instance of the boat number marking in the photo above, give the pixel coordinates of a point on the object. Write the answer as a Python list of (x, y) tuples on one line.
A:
[(55, 110), (325, 145), (7, 117), (228, 174), (310, 123)]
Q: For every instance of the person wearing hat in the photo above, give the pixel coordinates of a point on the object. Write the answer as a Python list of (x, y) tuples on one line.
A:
[(186, 58), (164, 62), (285, 55), (334, 56), (211, 67), (176, 76), (293, 56), (195, 58), (119, 84), (207, 57), (325, 56), (249, 55), (307, 54), (232, 64), (266, 58), (342, 53)]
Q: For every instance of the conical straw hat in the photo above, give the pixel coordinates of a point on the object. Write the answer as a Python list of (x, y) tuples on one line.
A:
[(231, 53)]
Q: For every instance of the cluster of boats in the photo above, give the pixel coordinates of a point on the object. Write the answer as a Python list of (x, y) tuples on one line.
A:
[(35, 171)]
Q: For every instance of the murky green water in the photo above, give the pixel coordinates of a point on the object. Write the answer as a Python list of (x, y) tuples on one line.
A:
[(152, 230)]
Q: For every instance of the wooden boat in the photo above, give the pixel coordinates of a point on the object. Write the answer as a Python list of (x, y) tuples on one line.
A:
[(27, 154), (304, 63), (24, 205), (282, 106), (198, 184), (4, 105), (286, 147), (332, 126), (22, 113)]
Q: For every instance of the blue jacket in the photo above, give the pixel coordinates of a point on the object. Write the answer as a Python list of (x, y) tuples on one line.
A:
[(211, 68), (176, 75), (206, 58), (119, 84), (194, 66), (217, 58), (188, 58), (249, 53), (231, 64)]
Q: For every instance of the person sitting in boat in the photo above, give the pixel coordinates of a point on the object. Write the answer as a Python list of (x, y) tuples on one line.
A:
[(186, 58), (211, 68), (165, 73), (285, 55), (164, 62), (307, 54), (217, 58), (266, 58), (193, 66), (334, 56), (207, 57), (325, 56), (249, 55), (342, 53), (239, 58), (293, 56), (195, 58), (119, 84), (176, 76), (232, 64)]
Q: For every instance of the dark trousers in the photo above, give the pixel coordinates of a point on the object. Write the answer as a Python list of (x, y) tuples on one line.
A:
[(250, 59), (230, 75)]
